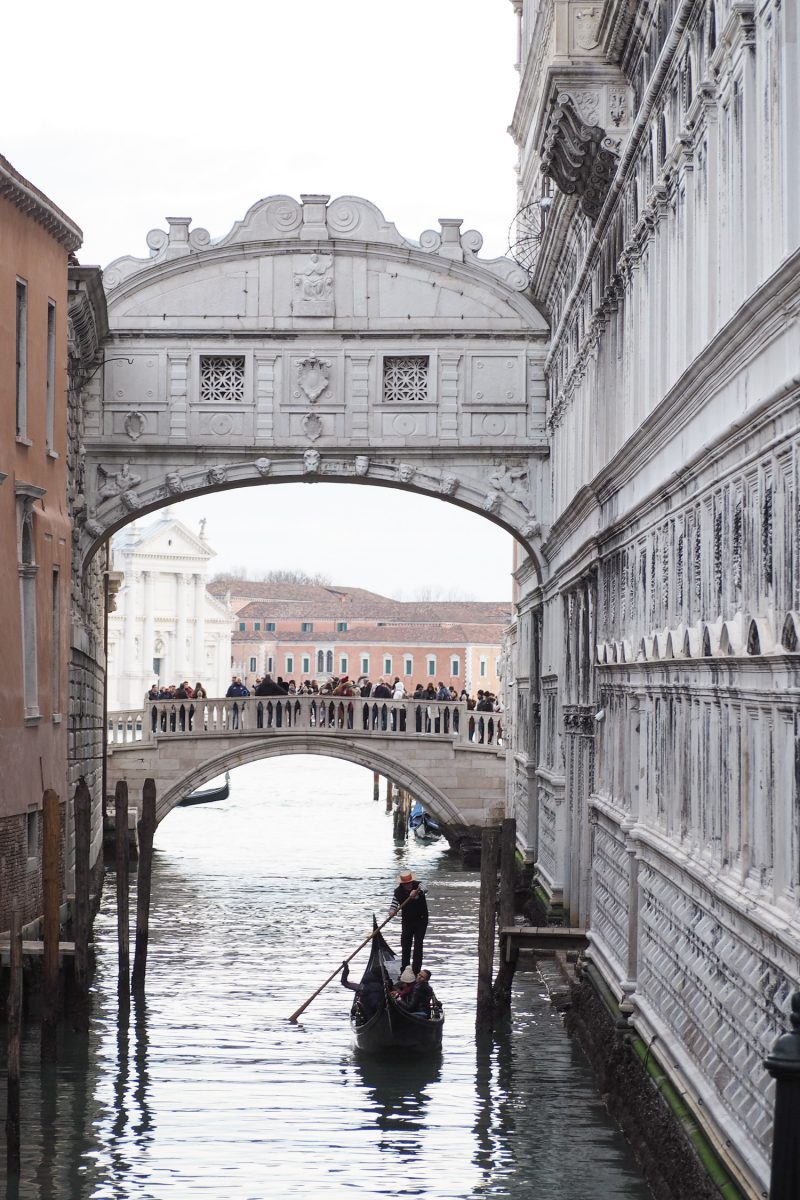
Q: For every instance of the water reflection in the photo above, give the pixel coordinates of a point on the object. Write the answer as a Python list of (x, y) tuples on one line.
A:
[(205, 1088), (398, 1091)]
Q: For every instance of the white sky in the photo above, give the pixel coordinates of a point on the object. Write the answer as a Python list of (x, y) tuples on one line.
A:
[(125, 114)]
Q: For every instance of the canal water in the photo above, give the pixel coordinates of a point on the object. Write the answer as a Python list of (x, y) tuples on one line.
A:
[(210, 1092)]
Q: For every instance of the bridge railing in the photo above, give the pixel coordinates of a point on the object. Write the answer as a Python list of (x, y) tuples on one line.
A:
[(255, 715)]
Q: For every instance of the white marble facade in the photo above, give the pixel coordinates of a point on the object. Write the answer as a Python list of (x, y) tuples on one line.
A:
[(166, 627), (657, 670)]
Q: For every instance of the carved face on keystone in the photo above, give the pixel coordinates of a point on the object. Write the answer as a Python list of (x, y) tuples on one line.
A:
[(361, 464), (405, 472), (311, 461), (216, 475), (263, 465), (448, 485), (174, 483)]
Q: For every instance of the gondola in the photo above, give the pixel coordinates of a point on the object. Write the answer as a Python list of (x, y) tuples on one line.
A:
[(392, 1028), (424, 827), (209, 796)]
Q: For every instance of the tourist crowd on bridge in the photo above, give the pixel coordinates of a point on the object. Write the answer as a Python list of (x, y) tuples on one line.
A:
[(342, 686)]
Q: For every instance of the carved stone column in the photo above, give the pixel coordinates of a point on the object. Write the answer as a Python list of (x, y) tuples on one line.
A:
[(128, 666), (180, 665), (148, 637), (199, 647)]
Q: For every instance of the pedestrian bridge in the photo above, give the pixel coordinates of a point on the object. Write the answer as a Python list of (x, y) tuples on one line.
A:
[(450, 759)]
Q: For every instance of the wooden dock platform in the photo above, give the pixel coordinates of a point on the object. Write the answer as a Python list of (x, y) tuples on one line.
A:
[(545, 938)]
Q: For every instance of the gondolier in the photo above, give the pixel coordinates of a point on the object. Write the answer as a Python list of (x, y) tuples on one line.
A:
[(414, 917)]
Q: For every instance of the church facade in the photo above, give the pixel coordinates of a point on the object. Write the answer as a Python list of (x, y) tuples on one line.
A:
[(166, 627)]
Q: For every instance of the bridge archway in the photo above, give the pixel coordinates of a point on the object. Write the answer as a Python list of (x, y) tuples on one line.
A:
[(314, 342), (191, 775)]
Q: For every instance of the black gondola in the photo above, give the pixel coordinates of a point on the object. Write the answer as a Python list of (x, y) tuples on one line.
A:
[(209, 796), (393, 1027)]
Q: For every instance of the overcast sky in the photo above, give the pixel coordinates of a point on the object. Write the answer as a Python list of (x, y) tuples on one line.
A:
[(126, 114)]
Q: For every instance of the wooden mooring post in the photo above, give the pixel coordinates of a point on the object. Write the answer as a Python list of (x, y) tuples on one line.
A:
[(501, 993), (400, 822), (484, 1011), (51, 903), (14, 1037), (83, 820), (376, 786), (144, 876), (123, 915)]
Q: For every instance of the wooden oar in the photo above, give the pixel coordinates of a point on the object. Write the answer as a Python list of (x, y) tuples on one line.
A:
[(366, 942)]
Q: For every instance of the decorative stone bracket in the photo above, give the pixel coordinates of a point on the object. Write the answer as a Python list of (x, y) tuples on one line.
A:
[(581, 133)]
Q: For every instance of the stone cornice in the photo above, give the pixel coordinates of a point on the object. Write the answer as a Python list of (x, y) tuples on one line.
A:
[(87, 312), (29, 200)]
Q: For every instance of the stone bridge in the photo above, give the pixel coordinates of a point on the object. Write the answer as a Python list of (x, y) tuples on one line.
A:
[(448, 758), (314, 342)]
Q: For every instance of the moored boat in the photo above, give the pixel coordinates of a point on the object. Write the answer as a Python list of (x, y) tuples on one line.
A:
[(209, 796), (393, 1027), (424, 827)]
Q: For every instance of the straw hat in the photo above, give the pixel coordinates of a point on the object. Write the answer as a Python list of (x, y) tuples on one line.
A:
[(405, 877)]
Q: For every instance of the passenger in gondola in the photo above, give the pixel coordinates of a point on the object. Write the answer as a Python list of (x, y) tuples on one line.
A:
[(414, 918), (421, 997), (402, 989), (370, 991)]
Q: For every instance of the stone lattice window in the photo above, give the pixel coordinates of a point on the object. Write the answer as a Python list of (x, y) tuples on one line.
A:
[(222, 377), (405, 380)]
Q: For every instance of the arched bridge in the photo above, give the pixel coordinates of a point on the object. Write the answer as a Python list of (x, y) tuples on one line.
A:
[(449, 758)]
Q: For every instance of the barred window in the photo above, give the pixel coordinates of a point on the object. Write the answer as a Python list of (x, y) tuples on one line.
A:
[(221, 377), (405, 380)]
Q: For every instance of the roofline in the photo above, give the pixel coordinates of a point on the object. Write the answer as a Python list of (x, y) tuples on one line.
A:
[(29, 200)]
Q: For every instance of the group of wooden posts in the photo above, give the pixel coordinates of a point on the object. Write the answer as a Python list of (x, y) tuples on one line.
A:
[(52, 948)]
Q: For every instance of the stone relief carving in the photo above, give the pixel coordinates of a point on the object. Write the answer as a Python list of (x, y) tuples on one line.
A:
[(92, 526), (216, 475), (313, 376), (361, 464), (113, 484), (134, 425), (531, 529), (311, 462), (312, 426), (448, 484), (130, 501), (173, 483), (513, 481), (405, 472), (263, 465), (588, 106), (587, 22), (492, 502), (617, 103), (313, 286)]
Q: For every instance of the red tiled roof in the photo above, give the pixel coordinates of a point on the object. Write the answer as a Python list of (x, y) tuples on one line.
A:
[(309, 602)]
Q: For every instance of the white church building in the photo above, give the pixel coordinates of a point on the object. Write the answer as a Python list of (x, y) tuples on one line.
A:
[(166, 626)]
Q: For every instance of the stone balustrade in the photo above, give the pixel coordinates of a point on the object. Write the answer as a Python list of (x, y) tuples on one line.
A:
[(273, 715)]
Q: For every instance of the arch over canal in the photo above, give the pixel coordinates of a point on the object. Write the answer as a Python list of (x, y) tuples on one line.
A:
[(314, 342), (463, 786)]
